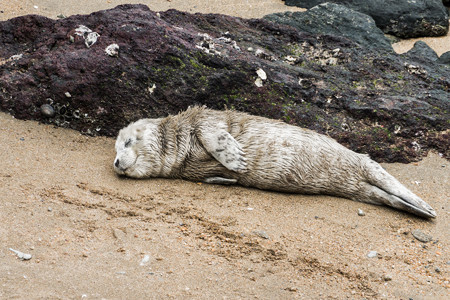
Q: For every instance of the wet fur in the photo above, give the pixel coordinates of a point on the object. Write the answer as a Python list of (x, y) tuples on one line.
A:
[(269, 155)]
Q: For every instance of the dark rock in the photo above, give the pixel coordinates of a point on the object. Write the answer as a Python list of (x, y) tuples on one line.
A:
[(404, 19), (380, 103), (421, 51), (444, 58), (334, 19)]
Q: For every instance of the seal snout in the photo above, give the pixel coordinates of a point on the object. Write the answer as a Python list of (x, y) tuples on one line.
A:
[(117, 168)]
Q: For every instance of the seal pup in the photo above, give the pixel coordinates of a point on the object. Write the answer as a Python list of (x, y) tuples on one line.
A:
[(231, 147)]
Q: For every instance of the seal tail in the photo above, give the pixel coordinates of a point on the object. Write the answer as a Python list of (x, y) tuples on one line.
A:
[(383, 188)]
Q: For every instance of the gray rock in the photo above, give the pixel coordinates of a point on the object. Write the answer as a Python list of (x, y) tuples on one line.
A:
[(404, 19), (334, 19), (361, 212), (444, 58), (421, 236), (421, 51)]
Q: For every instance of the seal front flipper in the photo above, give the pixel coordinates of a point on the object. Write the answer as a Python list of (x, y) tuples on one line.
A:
[(220, 180), (223, 147)]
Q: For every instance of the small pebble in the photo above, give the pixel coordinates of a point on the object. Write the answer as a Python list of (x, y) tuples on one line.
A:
[(21, 255), (47, 110), (67, 94), (372, 254), (361, 212), (49, 209), (421, 236), (145, 260), (387, 277), (261, 234), (437, 270)]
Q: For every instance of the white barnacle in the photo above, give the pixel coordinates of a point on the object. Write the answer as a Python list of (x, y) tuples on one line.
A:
[(261, 74), (258, 82), (290, 59), (81, 30), (415, 146), (112, 50), (235, 45), (91, 39), (16, 57), (151, 89)]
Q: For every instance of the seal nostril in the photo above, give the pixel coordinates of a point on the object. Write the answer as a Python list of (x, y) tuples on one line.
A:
[(117, 163)]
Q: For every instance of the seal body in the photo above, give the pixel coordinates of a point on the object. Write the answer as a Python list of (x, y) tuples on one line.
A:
[(230, 147)]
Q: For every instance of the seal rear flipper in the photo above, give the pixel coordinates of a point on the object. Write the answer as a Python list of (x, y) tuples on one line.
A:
[(223, 147), (415, 205), (394, 193), (220, 180)]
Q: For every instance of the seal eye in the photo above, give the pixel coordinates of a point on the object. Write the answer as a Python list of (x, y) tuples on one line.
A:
[(127, 143)]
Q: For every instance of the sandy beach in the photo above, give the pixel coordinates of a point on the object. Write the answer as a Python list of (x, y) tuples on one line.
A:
[(93, 235)]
